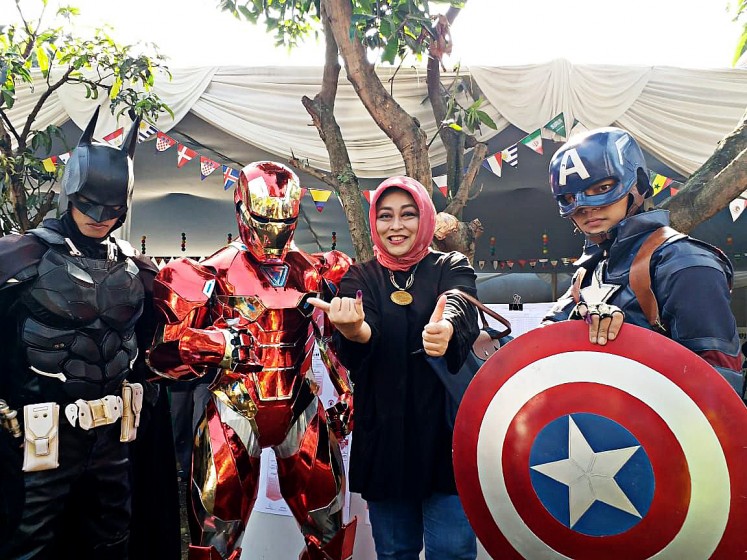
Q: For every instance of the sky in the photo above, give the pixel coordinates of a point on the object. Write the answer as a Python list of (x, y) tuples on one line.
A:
[(686, 33)]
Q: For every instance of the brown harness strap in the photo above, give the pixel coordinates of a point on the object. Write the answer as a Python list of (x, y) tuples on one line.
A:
[(640, 273)]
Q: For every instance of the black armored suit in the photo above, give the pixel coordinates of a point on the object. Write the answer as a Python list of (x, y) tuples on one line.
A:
[(74, 334), (76, 317)]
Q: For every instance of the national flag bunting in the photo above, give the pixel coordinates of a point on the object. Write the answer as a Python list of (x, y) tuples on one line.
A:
[(64, 157), (660, 182), (320, 198), (494, 163), (533, 141), (738, 205), (736, 208), (184, 155), (441, 184), (230, 176), (163, 141), (207, 166), (511, 155), (367, 195), (115, 138), (50, 164), (578, 128), (145, 131), (557, 125)]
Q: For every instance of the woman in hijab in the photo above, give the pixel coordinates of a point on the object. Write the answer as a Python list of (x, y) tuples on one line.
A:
[(391, 313)]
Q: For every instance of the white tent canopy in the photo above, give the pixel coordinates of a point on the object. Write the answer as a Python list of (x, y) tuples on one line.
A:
[(678, 114)]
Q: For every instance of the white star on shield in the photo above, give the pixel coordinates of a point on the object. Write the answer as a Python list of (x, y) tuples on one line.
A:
[(590, 475)]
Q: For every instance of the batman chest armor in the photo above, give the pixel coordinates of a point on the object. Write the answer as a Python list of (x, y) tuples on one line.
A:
[(80, 323)]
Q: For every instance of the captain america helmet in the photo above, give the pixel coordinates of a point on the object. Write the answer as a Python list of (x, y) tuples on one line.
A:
[(99, 178), (599, 154), (268, 201)]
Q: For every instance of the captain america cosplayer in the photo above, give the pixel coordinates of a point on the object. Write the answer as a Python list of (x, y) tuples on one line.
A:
[(75, 324), (635, 268), (243, 315)]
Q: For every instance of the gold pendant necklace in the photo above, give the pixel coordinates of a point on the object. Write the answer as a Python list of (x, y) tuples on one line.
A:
[(402, 296)]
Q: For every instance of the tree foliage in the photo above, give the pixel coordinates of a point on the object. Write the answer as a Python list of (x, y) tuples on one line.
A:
[(33, 53), (362, 33)]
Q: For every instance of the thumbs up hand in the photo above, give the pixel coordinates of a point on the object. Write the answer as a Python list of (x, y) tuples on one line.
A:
[(438, 332), (347, 316)]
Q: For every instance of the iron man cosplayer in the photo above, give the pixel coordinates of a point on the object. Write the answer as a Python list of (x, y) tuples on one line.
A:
[(244, 311)]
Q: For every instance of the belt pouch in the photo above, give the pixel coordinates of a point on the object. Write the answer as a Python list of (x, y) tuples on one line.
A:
[(42, 444), (132, 404)]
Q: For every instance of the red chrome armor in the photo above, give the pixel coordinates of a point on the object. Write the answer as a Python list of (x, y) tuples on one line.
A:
[(250, 320)]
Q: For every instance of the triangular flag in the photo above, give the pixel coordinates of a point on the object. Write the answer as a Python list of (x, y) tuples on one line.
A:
[(511, 155), (230, 176), (736, 208), (145, 131), (50, 164), (207, 166), (184, 154), (367, 195), (441, 183), (557, 125), (320, 198), (578, 128), (533, 141), (673, 191), (65, 157), (163, 141), (115, 138), (494, 163), (660, 182)]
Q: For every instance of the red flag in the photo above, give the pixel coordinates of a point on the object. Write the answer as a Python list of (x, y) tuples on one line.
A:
[(115, 137), (163, 141), (207, 166), (184, 155)]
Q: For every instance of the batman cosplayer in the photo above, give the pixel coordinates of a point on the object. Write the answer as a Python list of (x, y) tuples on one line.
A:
[(84, 435)]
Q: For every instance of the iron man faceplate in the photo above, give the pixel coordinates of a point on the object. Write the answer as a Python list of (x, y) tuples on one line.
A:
[(244, 311), (268, 200)]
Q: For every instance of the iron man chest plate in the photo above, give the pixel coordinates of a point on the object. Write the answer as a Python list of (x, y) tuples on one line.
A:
[(270, 302)]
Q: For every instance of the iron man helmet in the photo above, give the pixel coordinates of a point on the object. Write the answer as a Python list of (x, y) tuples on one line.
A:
[(268, 199)]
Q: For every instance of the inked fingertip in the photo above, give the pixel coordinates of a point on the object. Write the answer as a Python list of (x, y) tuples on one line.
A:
[(359, 294)]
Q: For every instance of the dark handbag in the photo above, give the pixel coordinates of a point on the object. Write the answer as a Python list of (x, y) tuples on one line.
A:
[(487, 343)]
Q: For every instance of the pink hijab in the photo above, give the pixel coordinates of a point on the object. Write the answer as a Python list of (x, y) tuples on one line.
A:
[(426, 227)]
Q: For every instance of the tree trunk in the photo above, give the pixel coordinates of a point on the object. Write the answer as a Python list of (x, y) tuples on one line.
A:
[(342, 178), (712, 187), (392, 119)]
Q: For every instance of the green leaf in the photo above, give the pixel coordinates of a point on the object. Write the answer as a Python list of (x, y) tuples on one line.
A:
[(486, 120)]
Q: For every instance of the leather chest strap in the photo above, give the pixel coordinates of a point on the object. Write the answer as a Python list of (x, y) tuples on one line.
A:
[(640, 273)]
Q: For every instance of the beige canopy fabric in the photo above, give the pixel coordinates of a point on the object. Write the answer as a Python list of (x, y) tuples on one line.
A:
[(677, 114)]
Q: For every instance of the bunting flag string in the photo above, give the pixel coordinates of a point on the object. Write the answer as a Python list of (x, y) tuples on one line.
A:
[(737, 206), (230, 176), (320, 198), (494, 163), (184, 155), (207, 166), (145, 131), (533, 141), (367, 195), (510, 155), (164, 141), (441, 184), (115, 138)]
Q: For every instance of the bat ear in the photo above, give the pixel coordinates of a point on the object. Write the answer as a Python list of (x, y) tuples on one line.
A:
[(85, 139), (130, 142)]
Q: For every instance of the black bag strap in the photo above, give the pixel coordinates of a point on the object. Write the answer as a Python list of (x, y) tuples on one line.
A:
[(482, 309)]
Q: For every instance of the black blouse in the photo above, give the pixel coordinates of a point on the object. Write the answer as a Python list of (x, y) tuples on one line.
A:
[(401, 444)]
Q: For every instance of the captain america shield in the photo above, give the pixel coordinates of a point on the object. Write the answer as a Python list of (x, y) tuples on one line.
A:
[(636, 449)]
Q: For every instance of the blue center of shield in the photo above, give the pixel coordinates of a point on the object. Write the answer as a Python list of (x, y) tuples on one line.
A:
[(591, 474)]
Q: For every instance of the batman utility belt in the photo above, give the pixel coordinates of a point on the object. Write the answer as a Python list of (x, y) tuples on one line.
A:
[(41, 423)]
